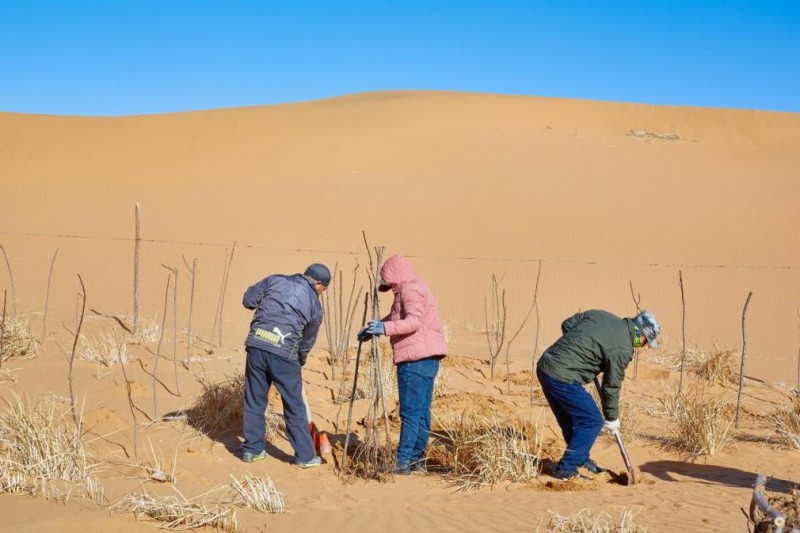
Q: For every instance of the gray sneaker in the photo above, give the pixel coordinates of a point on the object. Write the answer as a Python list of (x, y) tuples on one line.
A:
[(253, 457), (316, 461)]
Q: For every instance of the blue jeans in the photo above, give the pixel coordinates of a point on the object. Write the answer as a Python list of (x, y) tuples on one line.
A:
[(415, 386), (577, 415), (262, 370)]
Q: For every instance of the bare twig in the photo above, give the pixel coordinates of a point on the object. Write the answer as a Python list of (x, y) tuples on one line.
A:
[(495, 323), (519, 330), (536, 340), (355, 385), (637, 298), (158, 350), (3, 327), (225, 273), (193, 270), (744, 356), (136, 247), (174, 271), (11, 280), (72, 355), (47, 297), (683, 332), (133, 412)]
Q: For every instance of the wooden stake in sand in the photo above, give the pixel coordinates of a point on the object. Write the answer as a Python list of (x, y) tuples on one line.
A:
[(158, 350), (11, 280), (225, 273), (136, 244), (744, 356), (72, 354), (133, 412), (683, 331), (193, 269), (355, 385), (174, 271), (519, 330), (495, 323), (47, 297)]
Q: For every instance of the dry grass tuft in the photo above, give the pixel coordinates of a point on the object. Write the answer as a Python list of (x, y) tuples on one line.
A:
[(218, 409), (257, 493), (440, 383), (716, 366), (107, 350), (477, 450), (786, 424), (702, 426), (177, 513), (41, 452), (18, 341), (148, 330), (630, 417), (585, 522), (366, 385)]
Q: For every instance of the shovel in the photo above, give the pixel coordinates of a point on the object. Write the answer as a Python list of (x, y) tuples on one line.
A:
[(618, 438)]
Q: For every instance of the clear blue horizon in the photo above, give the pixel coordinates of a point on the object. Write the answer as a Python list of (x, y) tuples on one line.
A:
[(140, 57)]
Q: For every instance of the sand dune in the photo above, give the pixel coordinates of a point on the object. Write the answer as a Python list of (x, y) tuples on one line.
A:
[(606, 195)]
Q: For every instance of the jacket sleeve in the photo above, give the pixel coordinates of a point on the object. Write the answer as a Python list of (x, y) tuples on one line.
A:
[(569, 323), (310, 335), (413, 307), (254, 294), (613, 375)]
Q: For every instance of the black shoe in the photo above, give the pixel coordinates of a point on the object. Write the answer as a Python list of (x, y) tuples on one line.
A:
[(419, 467), (592, 467), (402, 470), (564, 474)]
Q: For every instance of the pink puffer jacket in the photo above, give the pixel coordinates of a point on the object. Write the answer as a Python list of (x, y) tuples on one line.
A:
[(413, 324)]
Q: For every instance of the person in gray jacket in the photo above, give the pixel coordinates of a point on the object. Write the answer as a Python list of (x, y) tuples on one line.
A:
[(284, 328), (592, 343)]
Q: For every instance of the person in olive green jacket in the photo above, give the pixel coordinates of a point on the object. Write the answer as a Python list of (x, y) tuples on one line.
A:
[(592, 343)]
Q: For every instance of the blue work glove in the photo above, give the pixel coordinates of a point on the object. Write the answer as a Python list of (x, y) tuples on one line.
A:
[(363, 336), (375, 327)]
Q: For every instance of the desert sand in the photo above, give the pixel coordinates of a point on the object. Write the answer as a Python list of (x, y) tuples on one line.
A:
[(607, 197)]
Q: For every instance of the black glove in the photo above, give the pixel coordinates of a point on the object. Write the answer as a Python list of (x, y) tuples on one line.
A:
[(302, 357), (363, 336)]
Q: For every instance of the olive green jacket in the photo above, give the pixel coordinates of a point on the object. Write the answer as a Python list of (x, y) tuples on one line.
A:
[(593, 342)]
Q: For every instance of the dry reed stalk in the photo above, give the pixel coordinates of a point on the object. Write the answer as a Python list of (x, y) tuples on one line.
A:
[(636, 300), (174, 271), (11, 281), (158, 352), (585, 522), (786, 424), (41, 453), (258, 493), (521, 326), (133, 411), (17, 340), (136, 246), (177, 513), (189, 339), (72, 355), (744, 357), (478, 450), (495, 320), (703, 425), (47, 297)]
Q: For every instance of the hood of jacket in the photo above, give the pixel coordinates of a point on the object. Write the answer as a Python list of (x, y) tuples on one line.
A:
[(397, 271)]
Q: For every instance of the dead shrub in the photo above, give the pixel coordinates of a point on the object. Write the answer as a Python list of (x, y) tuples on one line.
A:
[(715, 366), (41, 452), (702, 426), (257, 493), (476, 450), (218, 409), (177, 513), (148, 330), (106, 349), (786, 424), (585, 522), (18, 341)]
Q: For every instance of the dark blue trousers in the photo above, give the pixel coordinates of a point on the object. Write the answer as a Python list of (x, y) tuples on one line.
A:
[(577, 415), (262, 371), (415, 387)]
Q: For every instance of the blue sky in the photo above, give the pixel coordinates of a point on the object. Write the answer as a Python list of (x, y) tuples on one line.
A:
[(153, 56)]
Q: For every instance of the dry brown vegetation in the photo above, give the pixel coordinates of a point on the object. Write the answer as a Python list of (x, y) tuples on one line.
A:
[(41, 452), (106, 349), (703, 424), (476, 450), (177, 513), (258, 493), (786, 423), (18, 341), (584, 521)]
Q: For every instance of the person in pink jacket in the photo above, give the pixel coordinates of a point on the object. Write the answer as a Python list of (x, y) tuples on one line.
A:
[(418, 344)]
